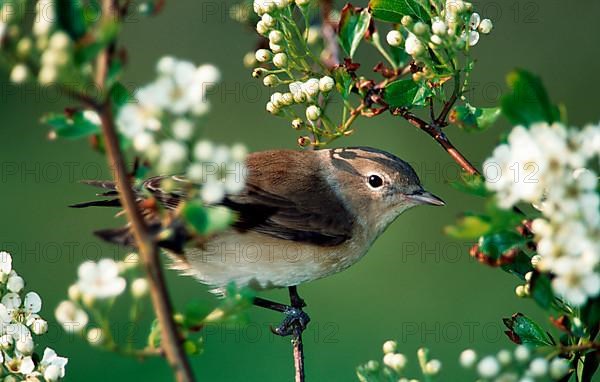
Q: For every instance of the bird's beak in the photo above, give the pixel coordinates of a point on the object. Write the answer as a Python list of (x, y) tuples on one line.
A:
[(425, 197)]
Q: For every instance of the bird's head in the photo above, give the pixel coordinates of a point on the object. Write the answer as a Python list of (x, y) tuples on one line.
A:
[(375, 185)]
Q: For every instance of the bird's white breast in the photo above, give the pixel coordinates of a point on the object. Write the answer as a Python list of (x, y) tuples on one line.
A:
[(262, 261)]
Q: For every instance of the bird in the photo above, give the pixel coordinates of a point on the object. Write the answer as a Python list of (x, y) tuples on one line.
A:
[(303, 215)]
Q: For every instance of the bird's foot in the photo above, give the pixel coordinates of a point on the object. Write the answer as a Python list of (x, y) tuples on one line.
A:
[(295, 318)]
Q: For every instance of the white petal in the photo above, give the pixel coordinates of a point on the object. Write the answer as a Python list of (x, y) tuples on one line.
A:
[(11, 301), (5, 262), (87, 270), (33, 302), (108, 268), (27, 366)]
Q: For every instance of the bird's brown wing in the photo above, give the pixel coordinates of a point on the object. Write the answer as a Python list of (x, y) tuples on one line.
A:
[(286, 197)]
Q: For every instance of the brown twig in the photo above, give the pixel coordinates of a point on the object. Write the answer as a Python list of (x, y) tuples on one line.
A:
[(147, 247), (297, 344)]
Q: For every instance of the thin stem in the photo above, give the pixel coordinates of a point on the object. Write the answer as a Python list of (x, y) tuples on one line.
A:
[(297, 344), (148, 249), (376, 41)]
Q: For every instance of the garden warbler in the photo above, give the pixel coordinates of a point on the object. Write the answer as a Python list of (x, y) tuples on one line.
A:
[(302, 215)]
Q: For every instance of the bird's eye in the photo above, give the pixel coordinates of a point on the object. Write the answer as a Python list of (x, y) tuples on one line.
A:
[(375, 181)]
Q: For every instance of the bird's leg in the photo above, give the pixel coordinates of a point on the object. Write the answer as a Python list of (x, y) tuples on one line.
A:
[(295, 317)]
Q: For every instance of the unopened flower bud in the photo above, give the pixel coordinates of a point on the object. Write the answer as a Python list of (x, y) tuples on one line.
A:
[(468, 358), (390, 347), (275, 36), (287, 99), (420, 28), (263, 55), (271, 108), (439, 27), (522, 353), (271, 80), (268, 20), (74, 292), (250, 59), (406, 21), (52, 373), (311, 87), (261, 27), (280, 60), (39, 326), (558, 368), (258, 72), (276, 48), (436, 40), (326, 84), (313, 113), (299, 97), (276, 99), (433, 367), (520, 291), (302, 3), (394, 38), (95, 336)]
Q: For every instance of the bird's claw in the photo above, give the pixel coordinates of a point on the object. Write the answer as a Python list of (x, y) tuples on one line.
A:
[(295, 318)]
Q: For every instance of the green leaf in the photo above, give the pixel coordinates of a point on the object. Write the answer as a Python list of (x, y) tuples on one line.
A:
[(541, 290), (496, 244), (343, 81), (526, 331), (405, 93), (528, 101), (75, 127), (472, 119), (353, 25), (472, 184), (519, 266), (207, 220), (70, 18), (469, 227), (393, 10), (195, 214), (120, 95)]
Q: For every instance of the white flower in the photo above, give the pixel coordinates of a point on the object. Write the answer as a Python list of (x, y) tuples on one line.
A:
[(488, 367), (5, 263), (172, 153), (100, 280), (203, 151), (468, 358), (19, 364), (15, 283), (439, 27), (574, 282), (71, 317), (183, 129), (52, 366), (166, 65), (486, 26), (212, 192), (538, 367), (139, 287), (394, 38), (19, 72)]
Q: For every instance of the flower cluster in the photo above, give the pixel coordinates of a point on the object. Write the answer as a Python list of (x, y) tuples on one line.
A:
[(161, 124), (289, 63), (98, 284), (514, 366), (454, 28), (545, 165), (19, 321), (394, 365)]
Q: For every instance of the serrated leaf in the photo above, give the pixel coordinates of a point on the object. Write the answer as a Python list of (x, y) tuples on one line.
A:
[(528, 101), (353, 25), (468, 227), (393, 10), (527, 331), (472, 119), (405, 93)]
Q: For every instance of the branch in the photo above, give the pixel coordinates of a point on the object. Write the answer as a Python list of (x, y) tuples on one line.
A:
[(436, 133), (146, 244)]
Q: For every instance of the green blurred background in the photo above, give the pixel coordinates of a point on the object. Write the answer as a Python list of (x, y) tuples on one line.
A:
[(415, 286)]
